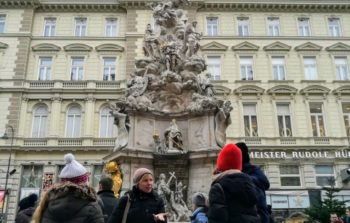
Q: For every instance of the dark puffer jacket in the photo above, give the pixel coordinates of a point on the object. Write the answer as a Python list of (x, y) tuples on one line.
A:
[(69, 203), (234, 201), (142, 207), (25, 216), (109, 202)]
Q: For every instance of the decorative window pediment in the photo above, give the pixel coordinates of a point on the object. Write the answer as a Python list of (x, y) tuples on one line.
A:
[(222, 90), (308, 47), (46, 47), (282, 89), (277, 46), (249, 89), (342, 47), (214, 46), (343, 90), (3, 45), (109, 48), (315, 89), (77, 47), (245, 46)]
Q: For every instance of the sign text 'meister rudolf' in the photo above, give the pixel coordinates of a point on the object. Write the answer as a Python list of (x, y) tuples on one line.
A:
[(293, 154)]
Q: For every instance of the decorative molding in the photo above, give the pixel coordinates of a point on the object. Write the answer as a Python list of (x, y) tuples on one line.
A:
[(214, 46), (109, 48), (315, 90), (343, 90), (3, 45), (245, 46), (77, 47), (277, 46), (308, 47), (338, 47), (46, 47), (249, 89), (282, 89), (222, 90)]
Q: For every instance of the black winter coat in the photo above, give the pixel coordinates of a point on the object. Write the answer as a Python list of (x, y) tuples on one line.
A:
[(25, 216), (109, 202), (261, 185), (235, 201), (70, 203), (142, 207)]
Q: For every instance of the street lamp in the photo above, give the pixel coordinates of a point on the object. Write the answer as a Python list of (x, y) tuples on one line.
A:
[(8, 173)]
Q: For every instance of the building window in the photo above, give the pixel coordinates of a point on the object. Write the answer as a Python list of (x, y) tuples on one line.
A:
[(45, 64), (106, 123), (290, 176), (310, 69), (284, 120), (214, 67), (111, 27), (317, 122), (39, 129), (278, 68), (324, 175), (2, 23), (80, 26), (346, 115), (109, 68), (334, 27), (50, 27), (73, 122), (243, 26), (31, 180), (250, 120), (273, 26), (341, 68), (304, 26), (212, 26), (77, 71), (96, 175), (246, 66)]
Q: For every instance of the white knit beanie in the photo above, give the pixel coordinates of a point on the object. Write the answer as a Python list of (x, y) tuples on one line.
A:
[(72, 169)]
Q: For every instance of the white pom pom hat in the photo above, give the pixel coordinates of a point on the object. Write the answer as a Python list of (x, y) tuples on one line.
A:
[(73, 171)]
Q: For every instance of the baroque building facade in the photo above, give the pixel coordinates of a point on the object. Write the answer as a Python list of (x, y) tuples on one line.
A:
[(283, 65)]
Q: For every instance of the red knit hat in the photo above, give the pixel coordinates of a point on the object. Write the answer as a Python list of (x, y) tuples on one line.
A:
[(230, 157)]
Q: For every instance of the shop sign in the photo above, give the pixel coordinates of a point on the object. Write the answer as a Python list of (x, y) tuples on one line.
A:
[(301, 154)]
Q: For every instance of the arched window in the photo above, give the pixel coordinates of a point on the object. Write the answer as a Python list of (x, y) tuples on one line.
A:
[(73, 122), (106, 123), (39, 127)]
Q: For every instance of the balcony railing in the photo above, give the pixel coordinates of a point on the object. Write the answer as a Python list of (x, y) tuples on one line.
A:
[(59, 84)]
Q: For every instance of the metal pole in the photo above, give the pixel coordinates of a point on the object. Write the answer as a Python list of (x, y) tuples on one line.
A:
[(7, 177)]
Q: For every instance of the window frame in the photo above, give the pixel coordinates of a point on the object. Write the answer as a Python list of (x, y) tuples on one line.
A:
[(273, 27), (80, 27), (307, 68), (109, 132), (109, 28), (40, 125), (80, 115), (284, 115), (210, 63), (274, 62), (110, 68), (47, 69), (243, 22), (211, 27), (52, 31), (242, 63), (316, 118), (252, 132), (302, 27), (332, 28), (286, 175), (324, 175), (346, 117), (3, 22), (339, 75), (77, 68)]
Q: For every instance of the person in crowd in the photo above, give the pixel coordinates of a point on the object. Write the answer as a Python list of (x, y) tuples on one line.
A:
[(346, 218), (108, 201), (200, 208), (260, 181), (232, 196), (269, 209), (72, 200), (26, 209), (335, 219), (141, 204)]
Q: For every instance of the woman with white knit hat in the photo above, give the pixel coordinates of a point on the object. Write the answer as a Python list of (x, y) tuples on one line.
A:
[(141, 204), (72, 200)]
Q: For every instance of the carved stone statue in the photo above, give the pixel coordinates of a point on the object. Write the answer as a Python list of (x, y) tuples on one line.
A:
[(121, 120), (192, 39), (222, 121), (206, 86), (173, 137)]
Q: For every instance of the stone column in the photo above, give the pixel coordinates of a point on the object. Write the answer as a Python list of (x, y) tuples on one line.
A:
[(55, 116), (23, 113), (89, 116)]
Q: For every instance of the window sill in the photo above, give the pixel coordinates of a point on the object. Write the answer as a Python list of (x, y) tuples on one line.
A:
[(248, 81), (280, 81), (313, 81)]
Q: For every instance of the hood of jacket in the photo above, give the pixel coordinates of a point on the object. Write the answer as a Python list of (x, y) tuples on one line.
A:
[(68, 199)]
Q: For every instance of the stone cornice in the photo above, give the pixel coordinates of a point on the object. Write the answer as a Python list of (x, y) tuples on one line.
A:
[(46, 47), (315, 89), (19, 3), (109, 48)]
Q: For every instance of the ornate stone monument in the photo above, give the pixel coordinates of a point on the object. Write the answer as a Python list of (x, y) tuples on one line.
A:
[(170, 120)]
